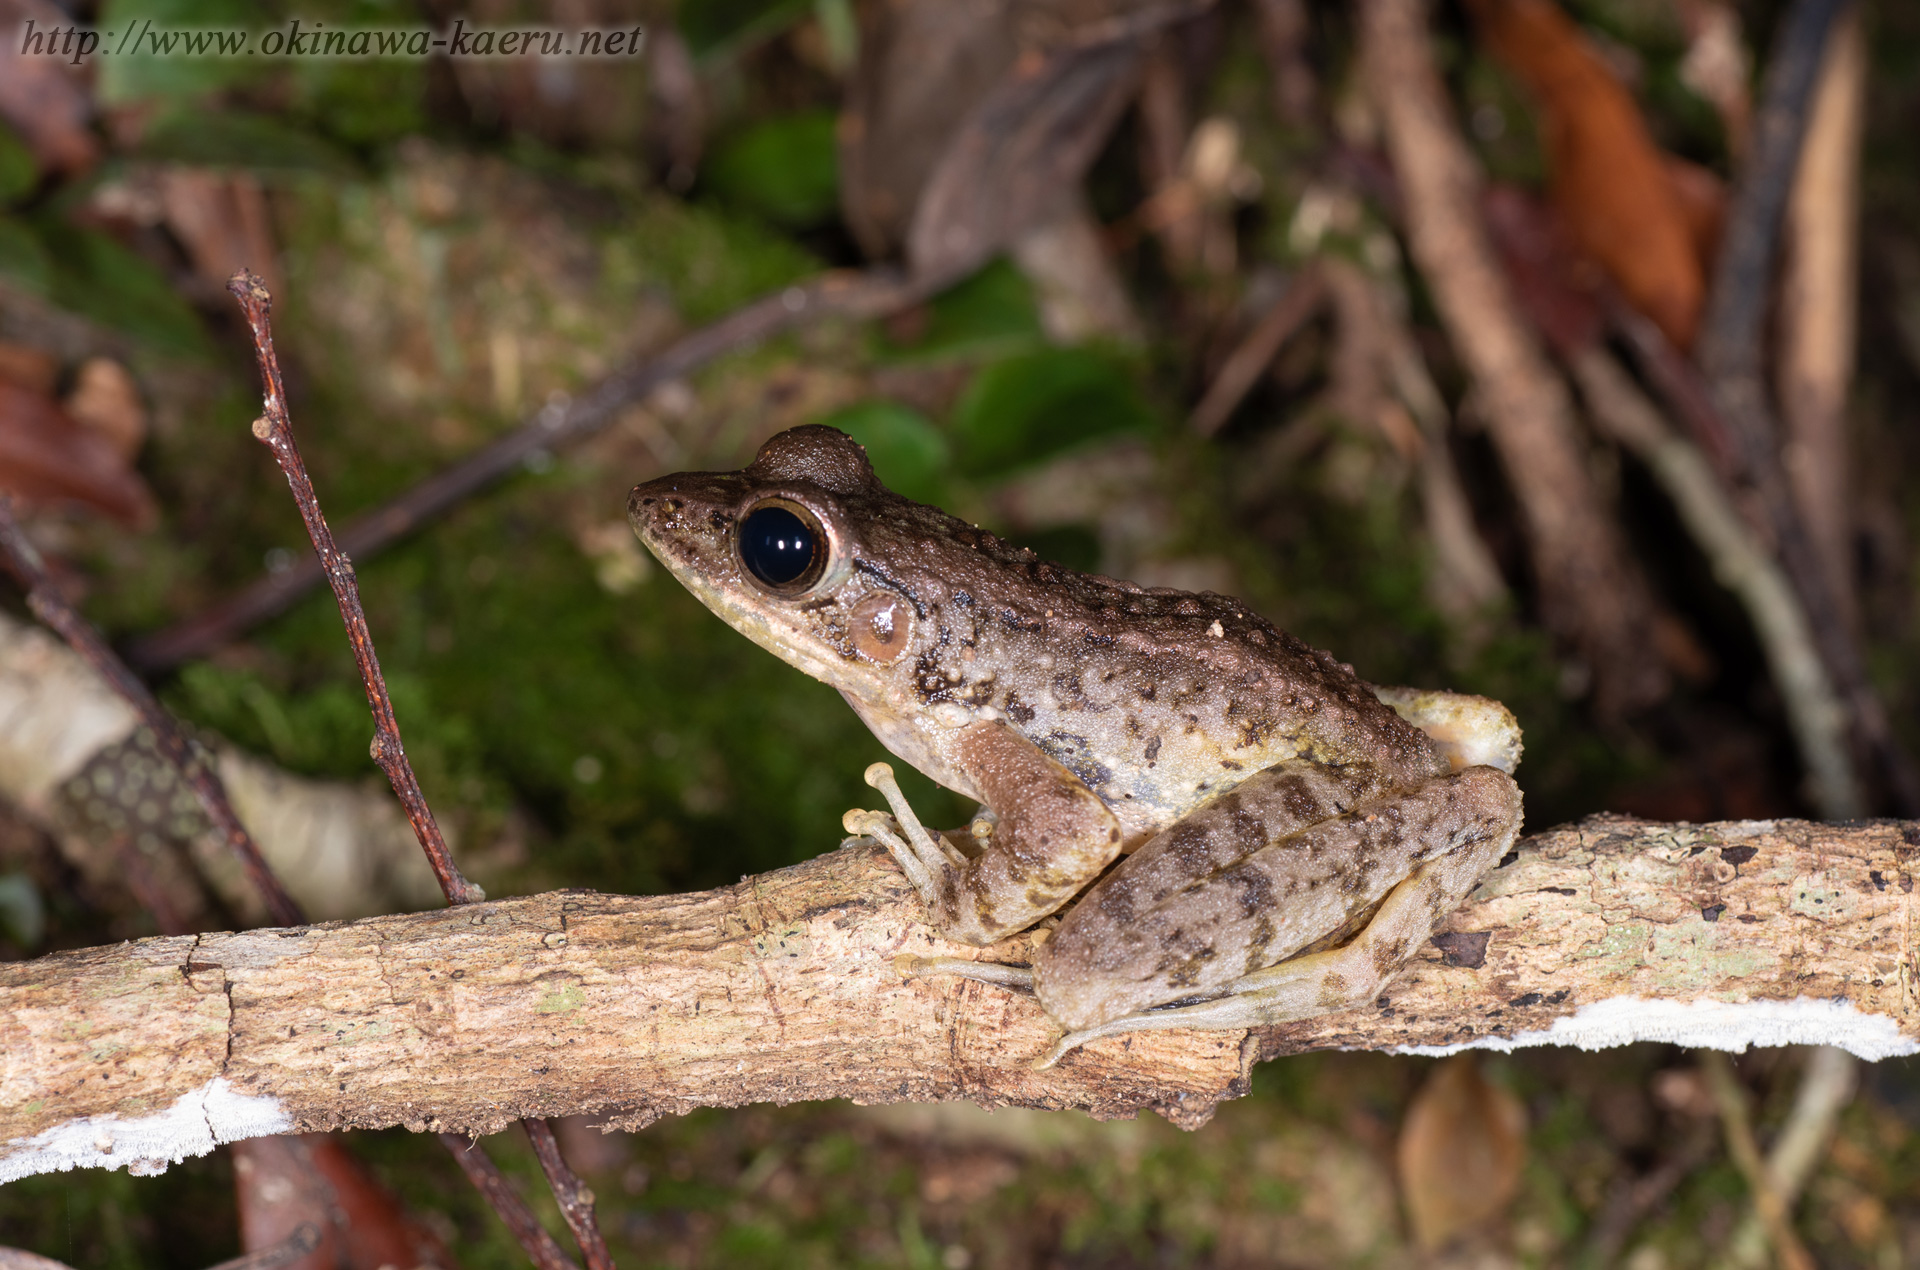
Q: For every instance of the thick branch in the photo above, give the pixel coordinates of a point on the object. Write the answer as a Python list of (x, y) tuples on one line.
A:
[(783, 988)]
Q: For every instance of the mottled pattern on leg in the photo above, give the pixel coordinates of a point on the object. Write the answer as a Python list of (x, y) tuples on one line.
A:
[(1198, 909)]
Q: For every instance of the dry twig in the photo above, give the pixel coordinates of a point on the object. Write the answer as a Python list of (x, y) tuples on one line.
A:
[(275, 430), (1817, 300), (1297, 305), (1815, 711), (1731, 1101), (1591, 592), (486, 1177), (1825, 1090)]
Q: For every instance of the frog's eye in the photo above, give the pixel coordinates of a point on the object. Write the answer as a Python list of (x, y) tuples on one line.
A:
[(783, 546)]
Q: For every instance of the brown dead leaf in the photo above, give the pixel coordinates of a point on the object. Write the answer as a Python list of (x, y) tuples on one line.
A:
[(1460, 1152), (1611, 184), (48, 458), (967, 123), (105, 400), (351, 1222), (221, 219), (29, 367), (1026, 146), (45, 98)]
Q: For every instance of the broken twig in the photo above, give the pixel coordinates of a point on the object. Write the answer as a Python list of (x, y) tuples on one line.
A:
[(275, 430)]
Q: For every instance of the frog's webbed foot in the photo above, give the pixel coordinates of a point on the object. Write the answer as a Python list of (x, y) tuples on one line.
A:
[(924, 857)]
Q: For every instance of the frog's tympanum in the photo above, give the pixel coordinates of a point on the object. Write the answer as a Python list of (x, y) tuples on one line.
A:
[(1286, 834)]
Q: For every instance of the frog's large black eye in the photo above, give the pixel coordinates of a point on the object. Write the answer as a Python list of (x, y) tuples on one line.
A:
[(783, 547)]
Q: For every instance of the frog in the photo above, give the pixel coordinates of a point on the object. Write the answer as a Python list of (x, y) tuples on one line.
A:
[(1199, 820)]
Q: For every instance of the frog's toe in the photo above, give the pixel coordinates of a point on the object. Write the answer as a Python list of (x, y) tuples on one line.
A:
[(1019, 978)]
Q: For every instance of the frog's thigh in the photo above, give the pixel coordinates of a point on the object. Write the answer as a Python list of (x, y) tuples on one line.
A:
[(1053, 835), (1422, 849)]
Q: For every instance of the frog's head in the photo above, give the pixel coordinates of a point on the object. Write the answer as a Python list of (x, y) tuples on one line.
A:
[(780, 550)]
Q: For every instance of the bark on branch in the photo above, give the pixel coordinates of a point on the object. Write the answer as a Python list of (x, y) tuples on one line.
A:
[(783, 988)]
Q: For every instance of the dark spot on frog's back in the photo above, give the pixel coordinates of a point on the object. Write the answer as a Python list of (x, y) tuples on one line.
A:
[(1017, 710), (1153, 748), (1255, 887)]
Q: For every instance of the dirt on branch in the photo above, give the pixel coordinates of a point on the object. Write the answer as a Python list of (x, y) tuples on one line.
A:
[(783, 988)]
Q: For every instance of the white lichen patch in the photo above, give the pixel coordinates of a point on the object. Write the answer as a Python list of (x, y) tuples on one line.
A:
[(1718, 1025), (195, 1124)]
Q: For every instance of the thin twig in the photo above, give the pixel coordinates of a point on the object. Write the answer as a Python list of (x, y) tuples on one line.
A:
[(1629, 1203), (576, 1201), (275, 429), (1825, 1090), (1731, 1100), (1815, 711), (1730, 340), (1592, 593), (541, 1246), (304, 1239), (43, 597), (1296, 306), (554, 426)]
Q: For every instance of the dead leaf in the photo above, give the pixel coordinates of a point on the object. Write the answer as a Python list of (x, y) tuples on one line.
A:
[(46, 457), (1024, 148), (29, 367), (221, 219), (45, 99), (313, 1181), (967, 122), (1460, 1152), (1553, 285), (106, 401), (1610, 183)]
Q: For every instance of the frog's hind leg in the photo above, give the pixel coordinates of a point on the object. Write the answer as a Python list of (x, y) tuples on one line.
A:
[(1354, 973)]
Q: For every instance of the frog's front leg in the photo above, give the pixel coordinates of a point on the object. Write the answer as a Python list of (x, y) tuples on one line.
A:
[(1051, 836), (1426, 847)]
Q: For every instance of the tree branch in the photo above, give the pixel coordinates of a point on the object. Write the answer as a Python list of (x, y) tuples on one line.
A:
[(783, 988)]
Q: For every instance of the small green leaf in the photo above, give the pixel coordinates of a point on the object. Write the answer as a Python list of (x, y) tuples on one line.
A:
[(786, 169), (991, 313), (23, 257), (1027, 409), (715, 27), (234, 139), (97, 277), (18, 172)]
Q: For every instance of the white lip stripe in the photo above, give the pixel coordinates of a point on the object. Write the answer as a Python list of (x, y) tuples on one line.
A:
[(195, 1124), (1718, 1025)]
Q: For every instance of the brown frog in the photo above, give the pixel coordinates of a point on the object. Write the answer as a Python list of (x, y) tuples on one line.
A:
[(1290, 834)]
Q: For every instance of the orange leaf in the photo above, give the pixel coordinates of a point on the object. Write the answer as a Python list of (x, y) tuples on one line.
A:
[(1460, 1151), (1612, 186)]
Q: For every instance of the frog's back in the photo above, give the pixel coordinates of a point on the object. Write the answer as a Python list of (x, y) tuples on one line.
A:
[(1158, 699)]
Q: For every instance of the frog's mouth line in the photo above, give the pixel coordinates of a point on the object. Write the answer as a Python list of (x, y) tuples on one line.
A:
[(706, 563)]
